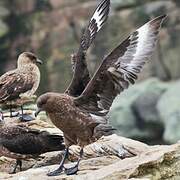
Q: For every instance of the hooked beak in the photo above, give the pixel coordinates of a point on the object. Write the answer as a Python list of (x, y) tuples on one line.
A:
[(39, 61), (38, 110)]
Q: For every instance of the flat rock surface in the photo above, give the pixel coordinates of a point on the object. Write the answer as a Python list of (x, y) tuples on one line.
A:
[(105, 160)]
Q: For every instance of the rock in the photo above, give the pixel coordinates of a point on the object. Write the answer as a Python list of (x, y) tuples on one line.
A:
[(105, 146), (121, 115), (168, 108), (148, 111), (144, 106), (151, 162), (133, 112)]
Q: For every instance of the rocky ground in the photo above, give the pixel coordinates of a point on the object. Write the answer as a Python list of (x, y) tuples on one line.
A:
[(112, 157)]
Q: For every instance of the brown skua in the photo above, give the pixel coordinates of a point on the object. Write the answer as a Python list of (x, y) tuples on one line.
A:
[(20, 82)]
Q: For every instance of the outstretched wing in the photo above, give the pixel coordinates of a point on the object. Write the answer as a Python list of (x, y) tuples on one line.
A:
[(14, 83), (81, 75), (119, 69)]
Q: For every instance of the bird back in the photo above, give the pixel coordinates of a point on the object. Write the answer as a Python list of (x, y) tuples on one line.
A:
[(23, 140), (52, 142)]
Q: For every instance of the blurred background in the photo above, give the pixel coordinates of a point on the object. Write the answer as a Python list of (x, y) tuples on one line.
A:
[(148, 111)]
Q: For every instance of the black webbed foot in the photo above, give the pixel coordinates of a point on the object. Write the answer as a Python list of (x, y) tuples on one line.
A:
[(57, 172), (25, 117), (61, 166), (12, 172), (72, 170)]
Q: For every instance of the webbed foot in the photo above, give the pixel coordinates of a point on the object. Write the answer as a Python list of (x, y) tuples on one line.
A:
[(25, 117), (12, 172), (72, 170), (57, 172)]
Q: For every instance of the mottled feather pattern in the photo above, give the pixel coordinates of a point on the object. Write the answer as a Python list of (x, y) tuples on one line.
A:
[(19, 81)]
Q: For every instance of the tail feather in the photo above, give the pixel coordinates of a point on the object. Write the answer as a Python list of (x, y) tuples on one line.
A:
[(103, 130)]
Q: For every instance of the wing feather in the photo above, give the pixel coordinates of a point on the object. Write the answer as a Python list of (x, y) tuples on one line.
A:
[(119, 69), (81, 75), (12, 84), (95, 24)]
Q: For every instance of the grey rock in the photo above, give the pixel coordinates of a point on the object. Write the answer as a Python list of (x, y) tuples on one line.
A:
[(145, 105), (137, 99), (168, 108), (152, 162)]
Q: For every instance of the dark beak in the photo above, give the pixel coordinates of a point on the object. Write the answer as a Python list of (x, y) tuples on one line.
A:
[(38, 110), (39, 61)]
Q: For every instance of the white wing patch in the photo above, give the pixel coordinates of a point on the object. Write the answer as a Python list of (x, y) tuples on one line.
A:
[(143, 33), (100, 13), (141, 46)]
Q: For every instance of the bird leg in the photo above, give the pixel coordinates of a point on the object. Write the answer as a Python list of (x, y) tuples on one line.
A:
[(74, 169), (22, 110), (60, 169), (1, 116), (10, 109), (18, 162), (24, 117)]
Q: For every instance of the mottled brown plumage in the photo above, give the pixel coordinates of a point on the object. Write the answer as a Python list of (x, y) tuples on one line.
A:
[(22, 81), (83, 119), (78, 127), (21, 142)]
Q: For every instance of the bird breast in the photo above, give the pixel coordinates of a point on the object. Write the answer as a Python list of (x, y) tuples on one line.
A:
[(33, 74), (66, 116)]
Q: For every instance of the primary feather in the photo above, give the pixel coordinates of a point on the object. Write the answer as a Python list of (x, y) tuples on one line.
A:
[(81, 75), (119, 69)]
